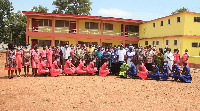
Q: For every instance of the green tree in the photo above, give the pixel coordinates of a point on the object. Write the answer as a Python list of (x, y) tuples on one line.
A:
[(77, 7), (180, 10), (5, 15), (40, 8)]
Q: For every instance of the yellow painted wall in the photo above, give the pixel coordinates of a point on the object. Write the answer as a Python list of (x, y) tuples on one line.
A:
[(191, 27), (88, 40), (147, 30), (83, 30), (131, 42), (114, 42), (71, 40), (187, 44)]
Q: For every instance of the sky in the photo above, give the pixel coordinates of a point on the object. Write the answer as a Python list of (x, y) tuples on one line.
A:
[(129, 9)]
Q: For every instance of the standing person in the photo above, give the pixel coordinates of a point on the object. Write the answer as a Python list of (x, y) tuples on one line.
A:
[(43, 52), (32, 51), (140, 57), (98, 55), (185, 58), (66, 53), (130, 55), (35, 61), (78, 55), (90, 53), (169, 58), (19, 55), (106, 56), (178, 57), (11, 64), (104, 71), (121, 56), (49, 57), (132, 72), (55, 70), (149, 59), (159, 59), (114, 62), (142, 72), (186, 76), (69, 67), (26, 60)]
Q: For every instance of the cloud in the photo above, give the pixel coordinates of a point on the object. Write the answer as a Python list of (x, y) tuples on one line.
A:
[(113, 12)]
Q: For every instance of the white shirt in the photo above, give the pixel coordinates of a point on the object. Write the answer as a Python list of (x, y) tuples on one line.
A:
[(170, 55), (66, 52), (121, 54)]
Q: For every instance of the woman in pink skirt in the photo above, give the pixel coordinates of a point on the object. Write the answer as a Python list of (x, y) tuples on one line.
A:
[(55, 70), (81, 69), (43, 70), (90, 68), (104, 69), (69, 68), (49, 57), (185, 57), (43, 52), (143, 72), (19, 55), (35, 61)]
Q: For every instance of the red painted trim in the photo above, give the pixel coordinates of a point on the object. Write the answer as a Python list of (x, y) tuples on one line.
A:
[(171, 37), (77, 25), (27, 28), (82, 16), (53, 25)]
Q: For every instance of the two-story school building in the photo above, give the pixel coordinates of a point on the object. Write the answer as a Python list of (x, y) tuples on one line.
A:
[(180, 31), (53, 29)]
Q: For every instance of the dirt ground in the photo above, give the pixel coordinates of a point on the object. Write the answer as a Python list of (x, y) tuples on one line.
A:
[(93, 93)]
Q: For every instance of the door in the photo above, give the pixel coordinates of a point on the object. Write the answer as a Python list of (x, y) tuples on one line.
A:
[(72, 27), (35, 24), (34, 41)]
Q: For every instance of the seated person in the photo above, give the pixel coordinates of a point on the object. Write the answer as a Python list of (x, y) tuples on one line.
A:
[(175, 71), (55, 70), (124, 67), (155, 72), (104, 69), (132, 70), (142, 72), (81, 69), (90, 68), (69, 68), (43, 70), (186, 76), (164, 75)]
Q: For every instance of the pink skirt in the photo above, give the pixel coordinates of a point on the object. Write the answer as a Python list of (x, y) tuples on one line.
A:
[(80, 71), (69, 70), (34, 65), (55, 72), (143, 75), (49, 64), (92, 70), (43, 71), (19, 63), (103, 72)]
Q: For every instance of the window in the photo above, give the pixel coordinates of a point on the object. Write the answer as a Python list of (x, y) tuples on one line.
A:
[(175, 42), (167, 42), (107, 26), (61, 43), (196, 19), (153, 43), (62, 23), (45, 22), (86, 43), (91, 25), (146, 42), (154, 24), (132, 28), (106, 44), (178, 19), (44, 42), (195, 44), (161, 23), (169, 21), (157, 42)]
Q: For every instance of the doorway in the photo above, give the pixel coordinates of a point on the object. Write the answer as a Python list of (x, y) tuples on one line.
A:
[(72, 27), (35, 24)]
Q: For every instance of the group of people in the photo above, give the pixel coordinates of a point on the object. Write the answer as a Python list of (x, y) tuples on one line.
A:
[(126, 62)]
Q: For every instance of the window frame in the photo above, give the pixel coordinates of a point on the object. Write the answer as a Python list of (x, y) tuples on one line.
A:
[(109, 24), (157, 42), (197, 19), (161, 23), (154, 25), (153, 43), (179, 20), (176, 42), (90, 23), (167, 42), (169, 21), (49, 22), (198, 44), (146, 42)]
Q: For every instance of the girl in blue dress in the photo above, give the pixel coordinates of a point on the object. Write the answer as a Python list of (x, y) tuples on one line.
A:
[(155, 72), (186, 76), (132, 72), (175, 71), (164, 74)]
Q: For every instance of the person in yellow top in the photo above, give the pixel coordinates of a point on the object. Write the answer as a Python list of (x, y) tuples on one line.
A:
[(124, 67), (90, 53)]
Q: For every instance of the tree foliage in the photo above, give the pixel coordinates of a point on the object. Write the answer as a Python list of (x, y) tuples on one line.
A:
[(77, 7), (180, 10), (40, 8)]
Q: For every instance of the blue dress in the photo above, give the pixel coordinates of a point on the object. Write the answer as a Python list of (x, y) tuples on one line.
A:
[(133, 71), (186, 78), (164, 75), (154, 76), (175, 68)]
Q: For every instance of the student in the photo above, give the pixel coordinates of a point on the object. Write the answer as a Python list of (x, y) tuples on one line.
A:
[(186, 76), (19, 55), (175, 71), (43, 70), (132, 72), (55, 70), (104, 69), (27, 59), (155, 72), (114, 62), (35, 61), (69, 68), (49, 57), (164, 74), (90, 68), (185, 57), (124, 67), (142, 72), (81, 69)]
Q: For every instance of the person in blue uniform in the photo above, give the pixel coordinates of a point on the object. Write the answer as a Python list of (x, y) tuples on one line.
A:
[(154, 75), (132, 72), (164, 75), (114, 62), (186, 76), (175, 71)]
